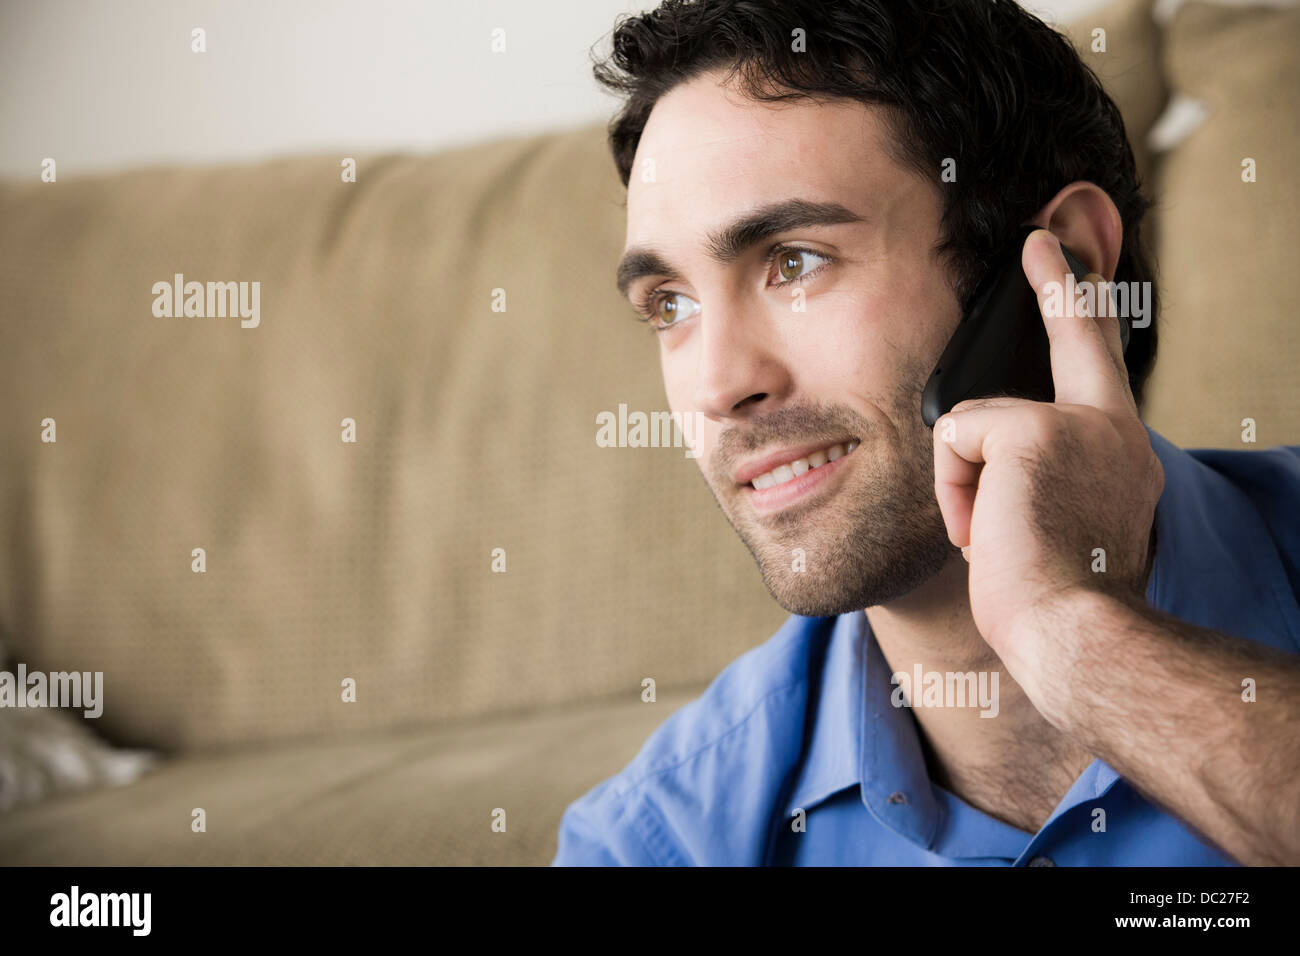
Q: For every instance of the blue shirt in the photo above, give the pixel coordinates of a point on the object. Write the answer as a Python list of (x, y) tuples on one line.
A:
[(804, 721)]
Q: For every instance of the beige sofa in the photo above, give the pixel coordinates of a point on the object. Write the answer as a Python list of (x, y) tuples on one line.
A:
[(373, 564)]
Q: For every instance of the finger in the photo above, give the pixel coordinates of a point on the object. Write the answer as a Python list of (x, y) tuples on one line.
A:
[(959, 438), (1083, 367), (956, 480), (1106, 315), (968, 437), (1103, 313), (991, 401)]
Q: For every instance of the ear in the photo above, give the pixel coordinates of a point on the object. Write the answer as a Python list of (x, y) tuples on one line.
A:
[(1084, 218)]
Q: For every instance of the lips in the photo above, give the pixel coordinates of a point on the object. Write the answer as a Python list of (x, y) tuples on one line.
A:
[(787, 464)]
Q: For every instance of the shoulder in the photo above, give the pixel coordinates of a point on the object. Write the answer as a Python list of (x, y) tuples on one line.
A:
[(1270, 477), (1270, 480), (1228, 543), (742, 734)]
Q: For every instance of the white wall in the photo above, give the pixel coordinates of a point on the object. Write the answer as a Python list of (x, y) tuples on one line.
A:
[(102, 84)]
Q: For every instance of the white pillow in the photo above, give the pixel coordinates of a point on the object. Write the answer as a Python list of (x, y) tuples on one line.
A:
[(48, 750)]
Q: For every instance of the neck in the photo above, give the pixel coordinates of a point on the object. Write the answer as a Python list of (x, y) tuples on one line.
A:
[(1015, 766)]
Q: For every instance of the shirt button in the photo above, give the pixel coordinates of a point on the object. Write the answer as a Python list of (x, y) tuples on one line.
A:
[(1041, 861), (898, 797)]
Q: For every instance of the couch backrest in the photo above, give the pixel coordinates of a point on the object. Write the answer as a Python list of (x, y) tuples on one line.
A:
[(326, 560)]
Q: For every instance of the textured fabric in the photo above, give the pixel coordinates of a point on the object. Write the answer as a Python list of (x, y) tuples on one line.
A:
[(1125, 57), (1227, 248), (409, 797), (326, 560), (805, 721)]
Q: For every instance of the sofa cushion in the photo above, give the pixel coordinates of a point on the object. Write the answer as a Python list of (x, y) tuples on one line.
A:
[(327, 560), (1227, 248), (1125, 57), (411, 798)]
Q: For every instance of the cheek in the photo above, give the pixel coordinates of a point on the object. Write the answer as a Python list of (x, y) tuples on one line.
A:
[(874, 353), (678, 387), (933, 314), (853, 347), (898, 334), (706, 439)]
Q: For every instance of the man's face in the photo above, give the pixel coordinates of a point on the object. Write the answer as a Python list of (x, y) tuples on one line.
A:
[(824, 347)]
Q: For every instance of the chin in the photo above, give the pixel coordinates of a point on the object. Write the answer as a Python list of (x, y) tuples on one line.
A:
[(880, 554), (841, 591)]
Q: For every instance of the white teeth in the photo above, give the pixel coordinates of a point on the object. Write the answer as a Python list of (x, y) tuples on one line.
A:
[(783, 473)]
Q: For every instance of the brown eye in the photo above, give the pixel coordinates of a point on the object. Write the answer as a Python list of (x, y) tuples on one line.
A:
[(666, 311), (791, 265), (794, 264)]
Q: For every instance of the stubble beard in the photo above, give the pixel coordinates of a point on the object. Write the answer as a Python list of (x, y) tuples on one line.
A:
[(878, 536)]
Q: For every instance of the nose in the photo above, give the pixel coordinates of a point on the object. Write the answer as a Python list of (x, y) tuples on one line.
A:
[(739, 371)]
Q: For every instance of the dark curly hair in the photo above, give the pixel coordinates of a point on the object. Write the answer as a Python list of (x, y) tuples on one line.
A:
[(982, 81)]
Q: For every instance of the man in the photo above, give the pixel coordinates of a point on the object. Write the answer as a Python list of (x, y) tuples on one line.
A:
[(813, 193)]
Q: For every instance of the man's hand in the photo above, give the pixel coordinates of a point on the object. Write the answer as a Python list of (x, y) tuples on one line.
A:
[(1042, 496)]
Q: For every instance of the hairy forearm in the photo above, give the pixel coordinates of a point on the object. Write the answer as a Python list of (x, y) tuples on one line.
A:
[(1167, 705)]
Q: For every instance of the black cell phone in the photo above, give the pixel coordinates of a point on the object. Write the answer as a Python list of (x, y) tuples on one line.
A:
[(1000, 346)]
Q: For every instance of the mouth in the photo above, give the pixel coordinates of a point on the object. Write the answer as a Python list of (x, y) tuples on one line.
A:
[(789, 476)]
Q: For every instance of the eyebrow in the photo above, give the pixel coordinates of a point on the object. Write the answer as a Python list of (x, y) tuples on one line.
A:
[(726, 245)]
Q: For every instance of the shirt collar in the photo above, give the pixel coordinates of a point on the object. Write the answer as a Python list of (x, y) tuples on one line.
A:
[(1214, 566), (831, 763)]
